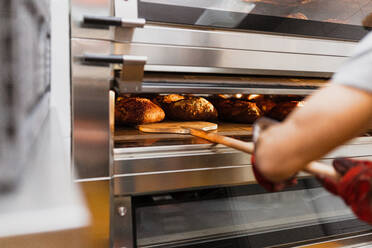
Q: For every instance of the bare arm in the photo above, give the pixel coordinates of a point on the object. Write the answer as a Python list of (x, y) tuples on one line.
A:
[(329, 118)]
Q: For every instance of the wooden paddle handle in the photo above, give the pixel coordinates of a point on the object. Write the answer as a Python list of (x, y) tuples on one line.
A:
[(314, 168), (220, 139)]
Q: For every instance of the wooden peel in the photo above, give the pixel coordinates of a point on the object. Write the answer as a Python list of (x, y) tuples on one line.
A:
[(314, 168), (177, 127)]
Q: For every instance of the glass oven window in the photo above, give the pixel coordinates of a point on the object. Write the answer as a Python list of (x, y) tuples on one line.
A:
[(325, 18), (243, 216)]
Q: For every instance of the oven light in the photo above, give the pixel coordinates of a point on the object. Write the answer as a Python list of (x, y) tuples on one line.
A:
[(301, 104), (253, 96)]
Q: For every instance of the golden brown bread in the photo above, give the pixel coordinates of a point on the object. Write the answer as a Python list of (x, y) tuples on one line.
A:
[(265, 104), (282, 110), (235, 110), (135, 110), (191, 109), (164, 100)]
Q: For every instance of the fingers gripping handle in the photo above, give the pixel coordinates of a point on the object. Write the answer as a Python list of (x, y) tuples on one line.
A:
[(320, 169)]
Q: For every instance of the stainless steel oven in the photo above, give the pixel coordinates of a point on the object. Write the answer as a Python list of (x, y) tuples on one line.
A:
[(169, 190)]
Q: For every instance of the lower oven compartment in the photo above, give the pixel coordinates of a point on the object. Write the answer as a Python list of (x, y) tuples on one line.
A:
[(243, 216)]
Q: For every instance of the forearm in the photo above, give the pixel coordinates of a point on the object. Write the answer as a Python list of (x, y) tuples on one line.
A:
[(329, 118)]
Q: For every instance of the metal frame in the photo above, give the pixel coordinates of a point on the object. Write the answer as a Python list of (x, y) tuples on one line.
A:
[(122, 228), (91, 147)]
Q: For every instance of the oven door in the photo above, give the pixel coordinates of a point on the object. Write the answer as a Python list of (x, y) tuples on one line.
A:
[(320, 18), (243, 216)]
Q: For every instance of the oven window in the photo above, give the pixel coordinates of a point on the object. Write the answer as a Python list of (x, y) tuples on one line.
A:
[(322, 18), (243, 216)]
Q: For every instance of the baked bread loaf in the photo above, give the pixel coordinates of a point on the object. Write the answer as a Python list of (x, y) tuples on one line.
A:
[(191, 109), (165, 100), (234, 110), (136, 110), (265, 104), (282, 110)]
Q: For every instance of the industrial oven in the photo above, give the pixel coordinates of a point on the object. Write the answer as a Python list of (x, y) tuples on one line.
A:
[(171, 190)]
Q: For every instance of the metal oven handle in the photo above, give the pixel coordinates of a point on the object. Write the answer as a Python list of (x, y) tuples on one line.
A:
[(114, 21), (131, 75), (114, 59)]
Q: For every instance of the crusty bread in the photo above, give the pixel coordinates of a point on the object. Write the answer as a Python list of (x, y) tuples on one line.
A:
[(265, 104), (235, 110), (165, 100), (135, 110), (191, 109), (282, 110)]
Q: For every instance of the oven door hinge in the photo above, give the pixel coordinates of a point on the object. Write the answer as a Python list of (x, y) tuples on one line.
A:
[(131, 75)]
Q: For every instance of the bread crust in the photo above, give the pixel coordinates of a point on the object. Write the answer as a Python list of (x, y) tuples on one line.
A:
[(282, 110), (136, 110), (235, 110), (192, 109), (164, 101)]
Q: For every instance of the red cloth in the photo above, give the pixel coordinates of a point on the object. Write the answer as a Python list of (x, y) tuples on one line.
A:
[(354, 187), (267, 184)]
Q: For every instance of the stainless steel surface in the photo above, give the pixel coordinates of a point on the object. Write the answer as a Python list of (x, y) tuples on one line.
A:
[(222, 39), (79, 9), (131, 75), (91, 148), (202, 69), (126, 9), (213, 89), (121, 225), (162, 168), (146, 183), (132, 23), (198, 83), (164, 56)]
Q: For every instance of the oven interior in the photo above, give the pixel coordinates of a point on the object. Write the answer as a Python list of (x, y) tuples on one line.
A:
[(211, 87)]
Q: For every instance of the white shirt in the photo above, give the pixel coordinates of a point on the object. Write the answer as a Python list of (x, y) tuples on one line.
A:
[(357, 70)]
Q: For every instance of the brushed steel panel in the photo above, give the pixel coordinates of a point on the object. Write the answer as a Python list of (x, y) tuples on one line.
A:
[(126, 9), (92, 8), (141, 184), (122, 229), (161, 55), (160, 164), (90, 104), (188, 157), (196, 37)]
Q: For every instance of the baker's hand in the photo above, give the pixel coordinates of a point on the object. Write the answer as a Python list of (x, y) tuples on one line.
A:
[(267, 184), (354, 187), (259, 126)]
